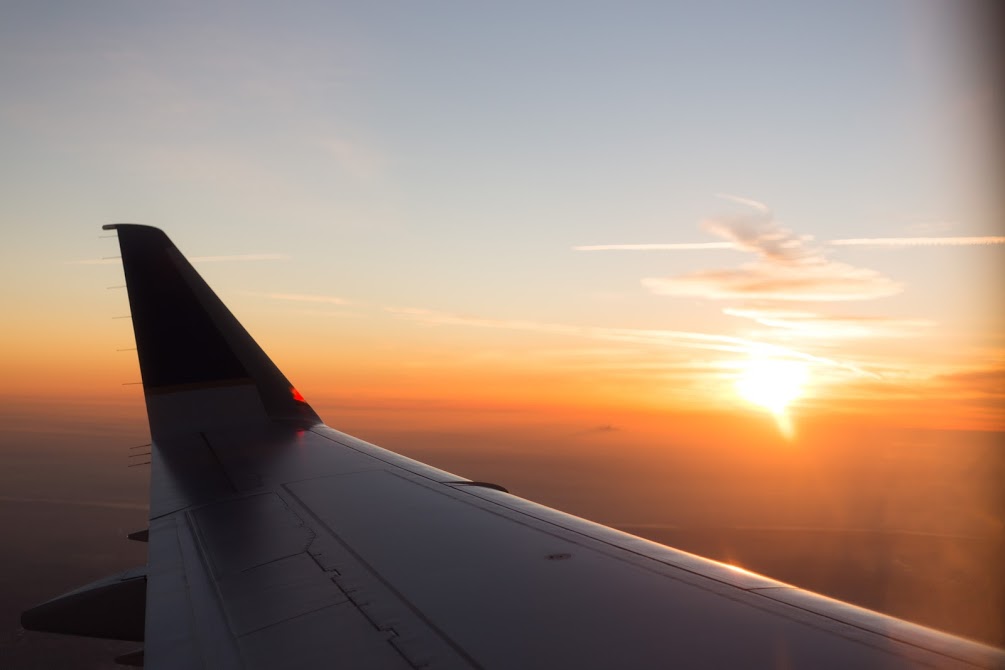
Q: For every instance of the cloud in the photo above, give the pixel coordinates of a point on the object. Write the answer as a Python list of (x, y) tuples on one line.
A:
[(814, 325), (681, 246), (634, 335), (196, 259), (985, 240), (824, 282), (640, 336), (747, 202), (918, 241), (986, 381), (789, 267), (330, 314), (763, 236), (305, 297), (240, 257)]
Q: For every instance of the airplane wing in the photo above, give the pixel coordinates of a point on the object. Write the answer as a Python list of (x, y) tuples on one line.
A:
[(278, 542)]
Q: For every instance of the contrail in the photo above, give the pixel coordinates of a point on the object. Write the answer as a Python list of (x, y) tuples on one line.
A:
[(850, 242), (196, 259), (917, 241), (684, 246)]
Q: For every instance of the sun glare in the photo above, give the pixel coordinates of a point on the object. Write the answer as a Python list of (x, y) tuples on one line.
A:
[(773, 384)]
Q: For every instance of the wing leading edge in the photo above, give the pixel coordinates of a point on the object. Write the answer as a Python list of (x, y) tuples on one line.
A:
[(276, 541)]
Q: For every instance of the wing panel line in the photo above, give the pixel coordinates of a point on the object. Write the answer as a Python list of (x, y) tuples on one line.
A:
[(378, 577)]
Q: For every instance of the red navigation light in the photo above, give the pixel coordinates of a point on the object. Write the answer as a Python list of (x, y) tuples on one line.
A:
[(296, 395)]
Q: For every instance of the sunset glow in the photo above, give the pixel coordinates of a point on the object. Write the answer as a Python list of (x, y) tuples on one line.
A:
[(382, 281), (525, 237), (773, 385)]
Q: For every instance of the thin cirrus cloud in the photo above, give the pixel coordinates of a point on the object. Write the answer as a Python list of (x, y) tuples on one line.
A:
[(240, 257), (764, 216), (672, 246), (305, 297), (195, 259), (813, 325), (746, 202), (918, 241), (788, 268), (985, 240), (652, 337), (330, 314), (825, 282), (985, 381)]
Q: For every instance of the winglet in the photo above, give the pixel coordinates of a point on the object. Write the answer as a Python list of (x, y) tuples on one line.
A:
[(200, 367)]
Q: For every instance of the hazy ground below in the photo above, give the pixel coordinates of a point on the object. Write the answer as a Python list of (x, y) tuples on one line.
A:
[(911, 527)]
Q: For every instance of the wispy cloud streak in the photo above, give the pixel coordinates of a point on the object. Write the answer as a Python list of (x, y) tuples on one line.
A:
[(240, 257), (788, 267), (661, 338), (849, 242), (917, 241), (305, 297), (681, 246), (756, 205), (814, 325), (826, 282), (197, 259)]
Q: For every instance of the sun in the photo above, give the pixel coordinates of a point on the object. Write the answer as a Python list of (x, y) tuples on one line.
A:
[(773, 384)]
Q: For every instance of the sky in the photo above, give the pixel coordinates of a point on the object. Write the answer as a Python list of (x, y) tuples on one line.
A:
[(521, 219), (398, 196)]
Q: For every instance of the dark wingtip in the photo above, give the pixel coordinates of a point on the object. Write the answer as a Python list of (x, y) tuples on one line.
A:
[(179, 341), (186, 337), (116, 226)]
